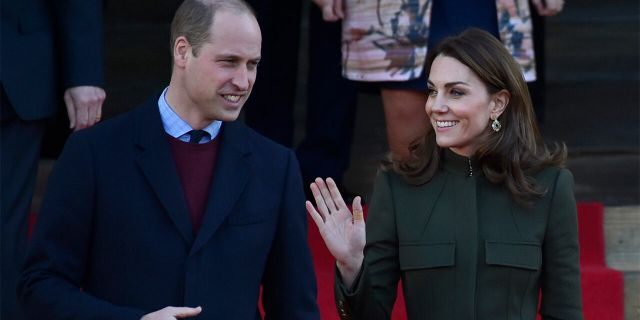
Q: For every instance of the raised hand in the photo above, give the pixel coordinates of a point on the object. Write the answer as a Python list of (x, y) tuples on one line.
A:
[(342, 232)]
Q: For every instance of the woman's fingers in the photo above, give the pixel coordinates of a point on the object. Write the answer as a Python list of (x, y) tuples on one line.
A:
[(315, 215), (326, 195), (320, 201), (335, 194), (358, 213)]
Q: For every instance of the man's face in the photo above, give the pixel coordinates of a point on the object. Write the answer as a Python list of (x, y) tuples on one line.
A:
[(219, 79)]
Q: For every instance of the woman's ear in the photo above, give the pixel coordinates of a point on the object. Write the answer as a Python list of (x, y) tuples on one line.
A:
[(181, 51), (500, 100)]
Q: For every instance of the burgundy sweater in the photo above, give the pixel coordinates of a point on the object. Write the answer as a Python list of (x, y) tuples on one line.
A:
[(195, 164)]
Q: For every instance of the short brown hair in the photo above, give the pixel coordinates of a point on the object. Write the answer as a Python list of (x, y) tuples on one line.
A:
[(194, 18)]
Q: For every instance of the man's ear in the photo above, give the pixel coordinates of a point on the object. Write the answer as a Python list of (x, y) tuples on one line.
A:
[(181, 51), (500, 100)]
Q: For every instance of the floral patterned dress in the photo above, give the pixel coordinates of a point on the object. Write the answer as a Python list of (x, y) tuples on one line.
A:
[(386, 40)]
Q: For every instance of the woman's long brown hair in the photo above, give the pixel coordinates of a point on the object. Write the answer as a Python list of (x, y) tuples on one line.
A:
[(510, 156)]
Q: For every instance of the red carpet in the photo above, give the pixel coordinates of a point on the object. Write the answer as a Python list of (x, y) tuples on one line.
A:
[(602, 288)]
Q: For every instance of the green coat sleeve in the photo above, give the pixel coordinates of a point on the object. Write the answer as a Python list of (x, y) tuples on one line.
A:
[(374, 292), (560, 278)]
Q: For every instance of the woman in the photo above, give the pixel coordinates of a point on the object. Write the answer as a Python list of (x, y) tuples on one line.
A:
[(480, 218)]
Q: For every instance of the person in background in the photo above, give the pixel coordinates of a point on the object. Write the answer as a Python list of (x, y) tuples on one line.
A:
[(385, 44), (51, 51), (270, 109), (174, 209), (325, 150), (330, 101), (478, 221)]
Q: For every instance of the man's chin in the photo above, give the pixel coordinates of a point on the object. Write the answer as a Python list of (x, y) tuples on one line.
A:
[(229, 116)]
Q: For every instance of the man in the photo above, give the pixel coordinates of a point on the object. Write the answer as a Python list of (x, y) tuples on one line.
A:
[(50, 50), (173, 210)]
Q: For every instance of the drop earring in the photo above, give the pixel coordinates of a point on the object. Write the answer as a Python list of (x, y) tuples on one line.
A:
[(495, 125)]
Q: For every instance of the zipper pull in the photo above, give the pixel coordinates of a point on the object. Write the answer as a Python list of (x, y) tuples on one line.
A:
[(470, 168)]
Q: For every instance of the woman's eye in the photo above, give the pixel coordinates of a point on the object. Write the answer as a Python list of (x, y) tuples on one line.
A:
[(431, 92), (456, 93)]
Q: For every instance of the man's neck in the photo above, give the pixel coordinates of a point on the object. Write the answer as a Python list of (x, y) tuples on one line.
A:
[(184, 107)]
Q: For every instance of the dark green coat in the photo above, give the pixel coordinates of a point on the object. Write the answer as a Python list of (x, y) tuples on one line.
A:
[(465, 250)]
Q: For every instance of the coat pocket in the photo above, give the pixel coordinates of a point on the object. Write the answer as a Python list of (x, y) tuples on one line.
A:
[(517, 254), (427, 255)]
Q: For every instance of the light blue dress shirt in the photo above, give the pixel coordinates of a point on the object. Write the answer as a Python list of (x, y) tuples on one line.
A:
[(177, 127)]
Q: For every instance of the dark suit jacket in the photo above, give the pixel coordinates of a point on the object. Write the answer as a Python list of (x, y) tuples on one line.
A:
[(114, 222), (464, 249), (48, 46)]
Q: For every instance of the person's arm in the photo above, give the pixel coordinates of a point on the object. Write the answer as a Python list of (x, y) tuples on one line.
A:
[(51, 282), (342, 231), (79, 36), (366, 276), (373, 293), (289, 287), (560, 279)]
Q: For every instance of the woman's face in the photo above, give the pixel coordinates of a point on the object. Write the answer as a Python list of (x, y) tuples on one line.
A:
[(459, 105)]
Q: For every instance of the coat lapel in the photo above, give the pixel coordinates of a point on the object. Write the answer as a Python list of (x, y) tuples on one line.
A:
[(427, 200), (231, 175), (157, 164)]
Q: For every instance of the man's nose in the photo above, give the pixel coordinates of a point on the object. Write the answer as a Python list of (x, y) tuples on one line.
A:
[(241, 78)]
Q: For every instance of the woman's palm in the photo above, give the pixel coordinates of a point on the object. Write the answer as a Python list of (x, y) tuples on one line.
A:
[(343, 233)]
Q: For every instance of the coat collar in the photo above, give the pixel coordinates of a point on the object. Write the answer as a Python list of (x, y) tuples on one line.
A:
[(232, 172), (156, 162), (460, 165)]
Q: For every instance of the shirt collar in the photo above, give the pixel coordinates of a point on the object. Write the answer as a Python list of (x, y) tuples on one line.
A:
[(176, 126)]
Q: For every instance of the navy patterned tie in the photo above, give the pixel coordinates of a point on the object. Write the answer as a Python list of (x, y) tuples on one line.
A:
[(197, 135)]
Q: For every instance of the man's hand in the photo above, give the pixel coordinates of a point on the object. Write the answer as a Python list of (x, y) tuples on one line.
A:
[(172, 313), (332, 10), (548, 7), (84, 106)]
